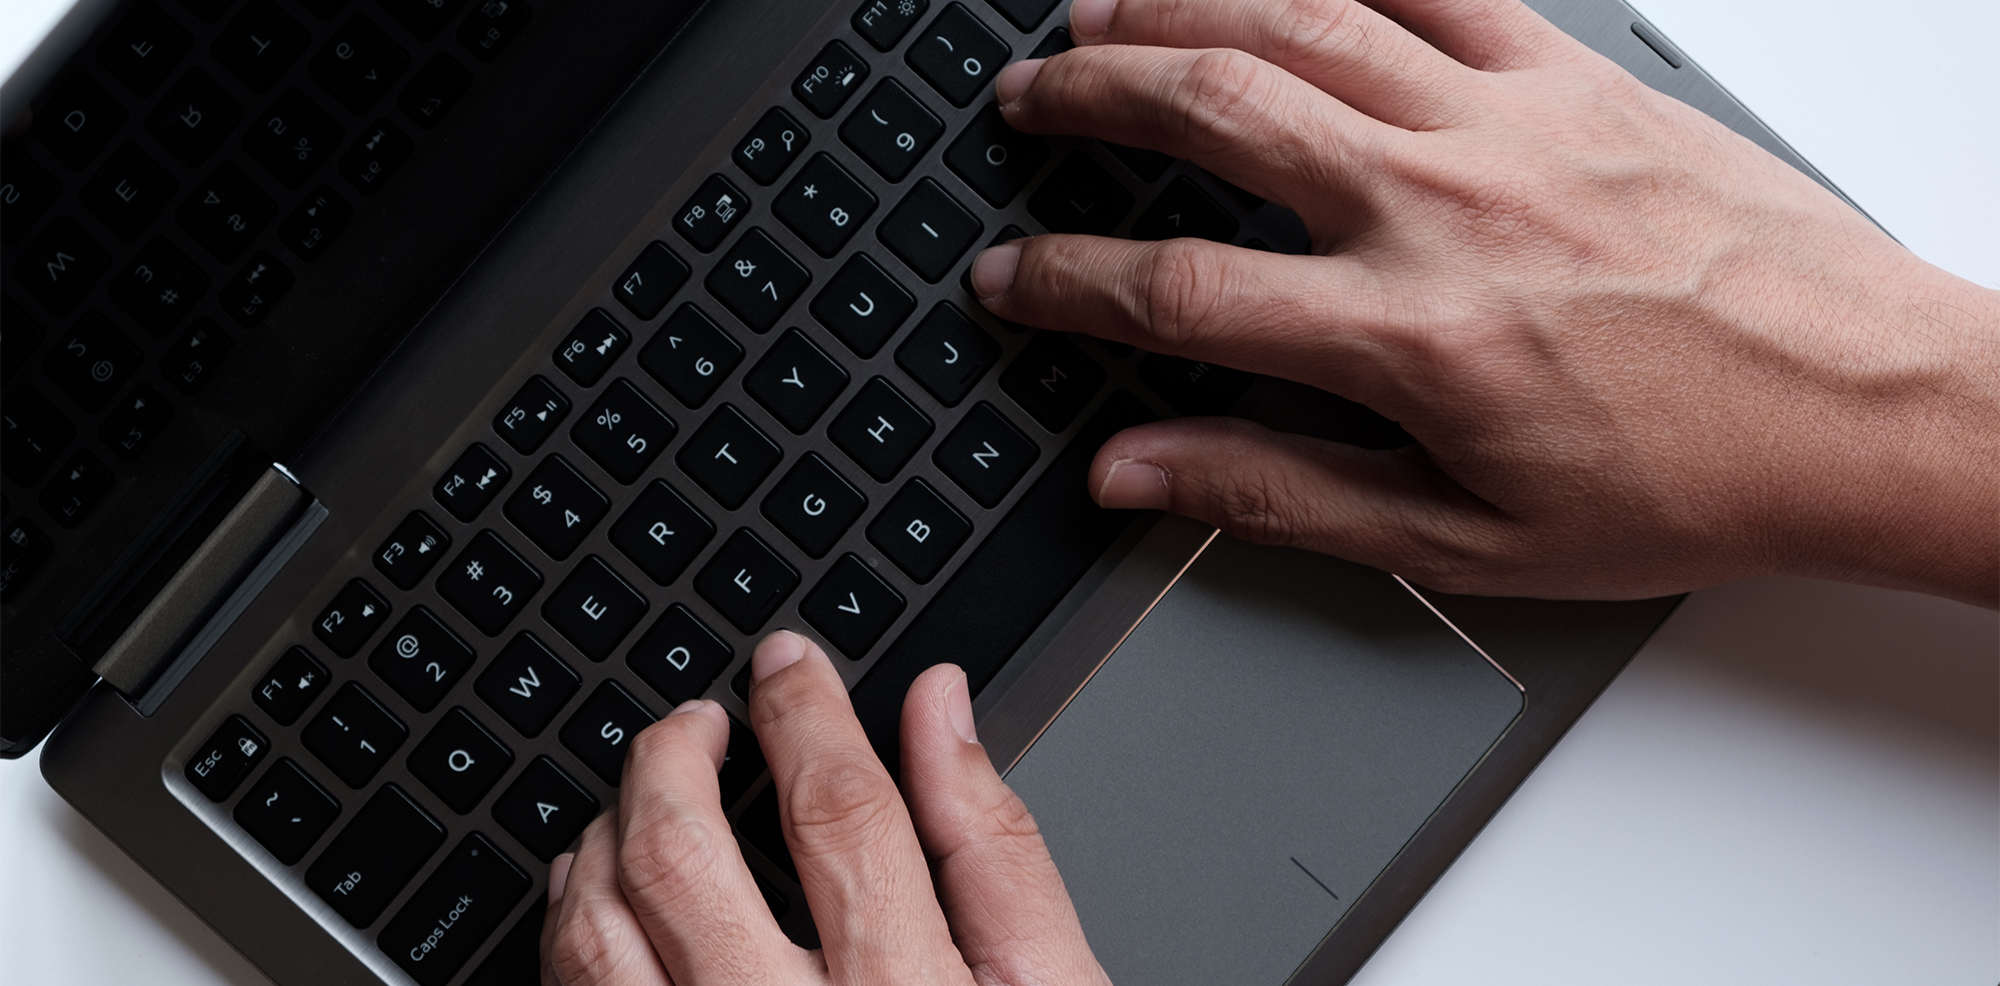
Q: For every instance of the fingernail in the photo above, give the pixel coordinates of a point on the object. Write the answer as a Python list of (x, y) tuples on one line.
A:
[(695, 705), (559, 877), (993, 270), (775, 653), (1016, 78), (958, 709), (1090, 18), (1132, 485)]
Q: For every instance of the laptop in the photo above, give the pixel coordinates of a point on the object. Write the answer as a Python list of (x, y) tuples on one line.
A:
[(408, 401)]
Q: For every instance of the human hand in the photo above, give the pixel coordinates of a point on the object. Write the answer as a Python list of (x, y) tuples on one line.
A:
[(1639, 354), (658, 892)]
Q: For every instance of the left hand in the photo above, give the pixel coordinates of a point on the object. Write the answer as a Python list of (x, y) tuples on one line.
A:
[(658, 892)]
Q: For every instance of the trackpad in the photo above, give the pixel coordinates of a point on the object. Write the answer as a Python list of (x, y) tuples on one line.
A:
[(1249, 760)]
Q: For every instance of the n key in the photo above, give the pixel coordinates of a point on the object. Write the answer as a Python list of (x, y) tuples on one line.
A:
[(985, 455)]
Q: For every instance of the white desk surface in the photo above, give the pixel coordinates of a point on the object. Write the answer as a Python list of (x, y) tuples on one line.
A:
[(1794, 782)]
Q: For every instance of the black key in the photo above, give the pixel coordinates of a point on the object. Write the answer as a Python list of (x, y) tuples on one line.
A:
[(1184, 210), (1191, 387), (985, 455), (1247, 200), (1025, 14), (832, 77), (358, 64), (486, 31), (532, 416), (76, 489), (127, 191), (1052, 380), (679, 657), (919, 531), (661, 533), (26, 192), (78, 121), (489, 584), (314, 222), (623, 432), (515, 961), (23, 549), (21, 334), (286, 811), (526, 684), (852, 607), (728, 456), (353, 616), (590, 348), (194, 116), (707, 217), (260, 44), (594, 608), (260, 285), (225, 212), (947, 354), (159, 287), (880, 429), (135, 422), (370, 861), (1053, 43), (771, 146), (291, 686), (795, 381), (1148, 165), (452, 914), (814, 505), (91, 361), (143, 48), (190, 361), (652, 279), (994, 158), (424, 18), (374, 157), (602, 729), (929, 230), (217, 766), (472, 482), (862, 305), (746, 582), (544, 810), (757, 280), (292, 138), (421, 659), (884, 22), (891, 130), (690, 356), (958, 55), (824, 205), (353, 735), (742, 761), (62, 263), (460, 761), (36, 433), (759, 826), (556, 507), (1080, 197)]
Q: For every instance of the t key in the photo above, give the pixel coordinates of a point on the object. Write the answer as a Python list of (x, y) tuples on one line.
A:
[(728, 456)]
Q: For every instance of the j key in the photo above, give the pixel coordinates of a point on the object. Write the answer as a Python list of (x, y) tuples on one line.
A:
[(1053, 43), (852, 607), (929, 230), (259, 44), (143, 48), (1080, 197), (368, 863), (374, 157), (652, 279), (194, 116), (813, 505), (623, 432), (679, 657), (217, 766), (544, 809), (1184, 210), (492, 23), (947, 353), (460, 761), (728, 456), (1191, 387), (771, 146), (706, 218), (746, 581), (261, 283), (555, 507), (880, 429), (160, 286), (862, 305), (424, 18), (76, 489), (421, 659), (291, 686), (91, 361), (590, 348), (1148, 165), (994, 158), (286, 811), (824, 205), (225, 212), (594, 608), (602, 729), (795, 381), (23, 549), (958, 55), (314, 222), (526, 684), (919, 531), (985, 455), (1024, 13), (353, 616), (135, 422), (891, 130), (1053, 379), (532, 416), (31, 191), (353, 735), (61, 264), (191, 360), (488, 583), (690, 356), (79, 120), (661, 533), (358, 64), (832, 77), (757, 281), (451, 915), (884, 22), (292, 138), (472, 482), (127, 191)]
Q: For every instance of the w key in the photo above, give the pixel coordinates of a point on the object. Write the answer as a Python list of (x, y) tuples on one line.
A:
[(555, 507)]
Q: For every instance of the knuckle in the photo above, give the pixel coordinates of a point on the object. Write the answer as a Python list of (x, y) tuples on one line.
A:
[(668, 857), (1314, 28), (1179, 291), (585, 950), (841, 805), (1210, 94)]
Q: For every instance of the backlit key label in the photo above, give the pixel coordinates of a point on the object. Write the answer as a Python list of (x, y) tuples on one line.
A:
[(832, 77)]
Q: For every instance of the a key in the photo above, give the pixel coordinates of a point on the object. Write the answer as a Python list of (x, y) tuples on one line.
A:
[(355, 613), (23, 549), (424, 18), (1184, 210), (135, 422), (489, 583), (891, 130), (1024, 14), (862, 305), (144, 48), (757, 280), (728, 456), (680, 656), (314, 222), (526, 684), (434, 90), (602, 729), (260, 44), (492, 23), (292, 138), (127, 191), (370, 861), (1053, 379), (590, 348), (929, 230), (421, 659), (231, 753), (472, 482), (556, 507), (919, 530), (91, 361), (986, 455), (661, 533), (623, 432), (832, 76), (852, 607), (994, 158), (1191, 387), (61, 264), (958, 55), (544, 809), (291, 686), (353, 735), (286, 811), (1080, 197), (771, 146), (460, 761), (159, 287), (1148, 165), (189, 362), (34, 191), (884, 22), (375, 156), (824, 205), (458, 906), (746, 581), (646, 286), (690, 356), (947, 354), (813, 505), (76, 489), (261, 283), (532, 416), (706, 218), (36, 433), (358, 64), (880, 429), (594, 608), (193, 118), (225, 212), (795, 381)]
